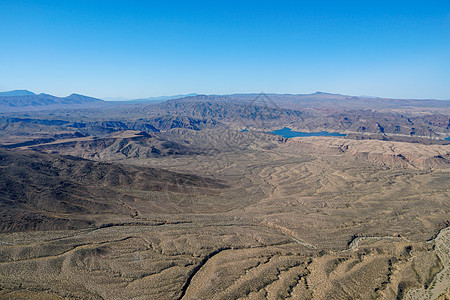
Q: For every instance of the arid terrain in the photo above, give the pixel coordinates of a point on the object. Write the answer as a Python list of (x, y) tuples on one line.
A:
[(193, 198)]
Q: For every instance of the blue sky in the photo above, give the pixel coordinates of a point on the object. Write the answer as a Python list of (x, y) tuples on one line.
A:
[(151, 48)]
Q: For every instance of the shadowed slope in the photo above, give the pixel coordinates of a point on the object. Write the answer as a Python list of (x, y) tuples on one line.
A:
[(61, 192)]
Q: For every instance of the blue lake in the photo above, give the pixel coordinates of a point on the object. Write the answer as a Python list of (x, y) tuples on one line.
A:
[(288, 133), (447, 139)]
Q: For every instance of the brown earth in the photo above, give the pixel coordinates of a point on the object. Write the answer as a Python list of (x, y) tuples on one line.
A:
[(257, 217)]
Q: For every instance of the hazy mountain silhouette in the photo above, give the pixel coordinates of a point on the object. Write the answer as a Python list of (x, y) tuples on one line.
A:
[(17, 93), (43, 101)]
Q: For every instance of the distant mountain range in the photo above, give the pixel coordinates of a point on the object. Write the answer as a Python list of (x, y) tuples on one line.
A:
[(25, 100), (150, 99), (17, 93), (327, 100), (255, 112)]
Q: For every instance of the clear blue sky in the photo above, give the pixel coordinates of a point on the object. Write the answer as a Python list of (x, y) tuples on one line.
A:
[(151, 48)]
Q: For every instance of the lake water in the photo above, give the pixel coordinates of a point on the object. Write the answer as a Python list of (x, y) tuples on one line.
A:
[(288, 133), (448, 139)]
